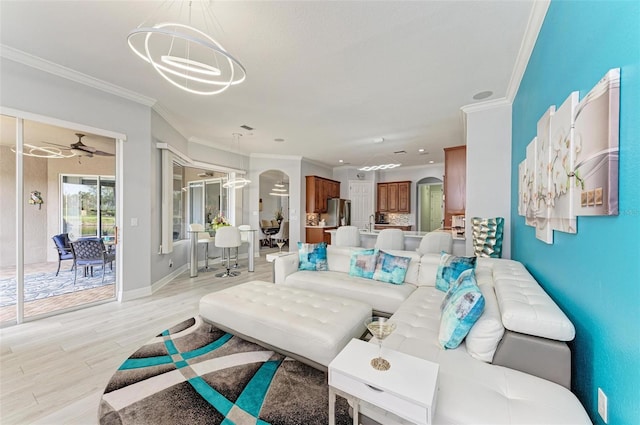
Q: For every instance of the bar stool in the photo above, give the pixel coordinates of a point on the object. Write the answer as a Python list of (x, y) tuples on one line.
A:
[(244, 238), (390, 239), (226, 238)]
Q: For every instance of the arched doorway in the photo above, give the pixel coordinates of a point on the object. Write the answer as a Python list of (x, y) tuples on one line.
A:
[(430, 205), (273, 204)]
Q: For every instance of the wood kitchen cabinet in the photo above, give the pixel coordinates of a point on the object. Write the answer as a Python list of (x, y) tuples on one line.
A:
[(317, 235), (455, 182), (319, 189), (394, 197)]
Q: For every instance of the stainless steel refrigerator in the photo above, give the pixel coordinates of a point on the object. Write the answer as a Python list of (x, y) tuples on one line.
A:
[(338, 212)]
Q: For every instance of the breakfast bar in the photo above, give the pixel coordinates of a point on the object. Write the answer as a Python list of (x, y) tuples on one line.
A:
[(411, 240)]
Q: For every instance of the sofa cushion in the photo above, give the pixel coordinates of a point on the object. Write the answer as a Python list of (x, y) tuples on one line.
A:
[(363, 263), (381, 296), (312, 256), (429, 264), (485, 335), (339, 258), (463, 305), (450, 268), (391, 268)]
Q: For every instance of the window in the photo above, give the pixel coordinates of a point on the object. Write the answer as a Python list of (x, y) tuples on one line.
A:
[(178, 202)]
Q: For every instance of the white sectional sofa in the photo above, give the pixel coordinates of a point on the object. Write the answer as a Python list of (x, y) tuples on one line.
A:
[(513, 367)]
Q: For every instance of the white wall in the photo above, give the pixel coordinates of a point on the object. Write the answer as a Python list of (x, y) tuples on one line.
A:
[(34, 91), (489, 167)]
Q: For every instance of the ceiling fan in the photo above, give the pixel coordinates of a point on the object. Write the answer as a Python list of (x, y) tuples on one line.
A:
[(80, 149)]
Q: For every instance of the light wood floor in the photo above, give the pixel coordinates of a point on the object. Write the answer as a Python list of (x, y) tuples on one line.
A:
[(53, 371)]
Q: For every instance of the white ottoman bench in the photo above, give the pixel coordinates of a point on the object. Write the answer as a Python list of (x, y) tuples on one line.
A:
[(309, 326)]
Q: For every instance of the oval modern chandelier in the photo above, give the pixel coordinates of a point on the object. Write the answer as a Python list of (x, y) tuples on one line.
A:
[(185, 56)]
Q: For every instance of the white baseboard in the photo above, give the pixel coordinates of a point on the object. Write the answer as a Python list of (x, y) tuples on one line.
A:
[(145, 292)]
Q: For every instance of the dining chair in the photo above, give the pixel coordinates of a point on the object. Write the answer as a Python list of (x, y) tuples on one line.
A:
[(88, 253), (63, 246), (226, 238), (203, 238), (283, 233)]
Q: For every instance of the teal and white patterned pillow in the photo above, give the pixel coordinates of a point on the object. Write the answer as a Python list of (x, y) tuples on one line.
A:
[(312, 256), (363, 263), (450, 268), (463, 307), (391, 268)]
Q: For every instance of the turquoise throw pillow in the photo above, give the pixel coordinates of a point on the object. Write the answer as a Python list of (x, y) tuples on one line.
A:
[(363, 263), (450, 268), (463, 306), (312, 256), (391, 268)]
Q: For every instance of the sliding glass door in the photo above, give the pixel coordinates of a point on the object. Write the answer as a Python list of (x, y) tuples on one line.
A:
[(88, 206), (52, 196)]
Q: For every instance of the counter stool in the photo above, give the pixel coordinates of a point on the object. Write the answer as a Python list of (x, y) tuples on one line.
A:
[(390, 239), (228, 237), (203, 238)]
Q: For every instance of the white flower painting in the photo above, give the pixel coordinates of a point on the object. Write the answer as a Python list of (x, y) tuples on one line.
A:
[(571, 167)]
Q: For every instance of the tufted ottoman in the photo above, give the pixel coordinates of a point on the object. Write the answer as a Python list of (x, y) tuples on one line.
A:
[(309, 326)]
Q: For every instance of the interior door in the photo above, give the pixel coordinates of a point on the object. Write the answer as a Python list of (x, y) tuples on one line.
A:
[(435, 207)]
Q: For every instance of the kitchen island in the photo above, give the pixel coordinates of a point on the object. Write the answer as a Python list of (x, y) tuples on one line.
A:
[(411, 240)]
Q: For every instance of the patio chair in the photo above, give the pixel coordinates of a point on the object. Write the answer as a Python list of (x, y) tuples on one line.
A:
[(90, 252), (63, 246)]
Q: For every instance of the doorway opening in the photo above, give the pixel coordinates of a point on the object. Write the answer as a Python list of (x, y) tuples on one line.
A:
[(430, 204)]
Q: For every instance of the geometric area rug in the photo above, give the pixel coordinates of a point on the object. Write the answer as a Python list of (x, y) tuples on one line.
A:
[(194, 373)]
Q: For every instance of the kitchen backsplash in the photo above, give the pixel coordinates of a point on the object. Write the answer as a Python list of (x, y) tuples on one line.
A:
[(401, 219)]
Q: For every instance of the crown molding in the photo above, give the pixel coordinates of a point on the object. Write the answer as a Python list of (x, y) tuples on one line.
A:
[(536, 19), (44, 65), (275, 156)]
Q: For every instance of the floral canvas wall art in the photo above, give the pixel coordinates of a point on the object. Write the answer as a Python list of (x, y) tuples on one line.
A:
[(571, 166)]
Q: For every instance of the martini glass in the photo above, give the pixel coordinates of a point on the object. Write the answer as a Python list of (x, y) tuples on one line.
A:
[(280, 245), (380, 327)]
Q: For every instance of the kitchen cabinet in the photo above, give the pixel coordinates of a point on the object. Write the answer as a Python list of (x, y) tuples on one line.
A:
[(317, 235), (319, 189), (455, 182), (394, 197)]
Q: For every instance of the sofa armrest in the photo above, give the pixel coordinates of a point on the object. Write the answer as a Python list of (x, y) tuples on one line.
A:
[(284, 266), (545, 358)]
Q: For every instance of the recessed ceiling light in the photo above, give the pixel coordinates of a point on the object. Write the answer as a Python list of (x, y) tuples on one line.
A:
[(421, 150), (341, 161), (431, 162), (278, 140), (482, 95), (378, 140)]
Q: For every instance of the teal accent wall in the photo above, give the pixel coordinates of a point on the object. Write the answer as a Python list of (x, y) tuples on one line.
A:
[(593, 275)]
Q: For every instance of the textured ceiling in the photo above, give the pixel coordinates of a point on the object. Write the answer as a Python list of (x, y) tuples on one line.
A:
[(329, 77)]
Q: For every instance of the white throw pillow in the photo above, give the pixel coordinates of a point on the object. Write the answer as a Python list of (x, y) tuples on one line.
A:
[(485, 335)]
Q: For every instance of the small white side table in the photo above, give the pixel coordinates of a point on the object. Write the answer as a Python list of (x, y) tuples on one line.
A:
[(408, 390), (271, 258)]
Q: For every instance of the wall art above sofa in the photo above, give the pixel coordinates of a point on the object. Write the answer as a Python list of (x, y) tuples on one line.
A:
[(571, 166)]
